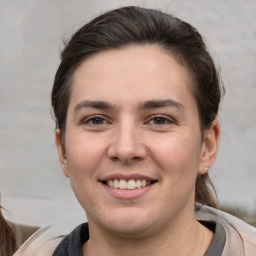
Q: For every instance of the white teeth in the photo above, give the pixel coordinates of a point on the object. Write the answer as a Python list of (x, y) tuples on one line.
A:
[(130, 184), (110, 183), (138, 183), (116, 184), (123, 184)]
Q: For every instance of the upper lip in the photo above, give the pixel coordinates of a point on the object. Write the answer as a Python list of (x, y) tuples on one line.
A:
[(127, 177)]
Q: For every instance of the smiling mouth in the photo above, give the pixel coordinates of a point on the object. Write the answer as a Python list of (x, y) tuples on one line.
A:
[(128, 184)]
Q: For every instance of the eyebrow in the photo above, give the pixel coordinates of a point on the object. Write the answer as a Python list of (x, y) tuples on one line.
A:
[(151, 104), (93, 104)]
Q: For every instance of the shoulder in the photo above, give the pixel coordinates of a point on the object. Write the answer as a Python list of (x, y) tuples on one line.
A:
[(73, 242), (46, 239), (240, 236)]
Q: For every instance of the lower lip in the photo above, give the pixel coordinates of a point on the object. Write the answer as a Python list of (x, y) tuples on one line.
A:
[(128, 193)]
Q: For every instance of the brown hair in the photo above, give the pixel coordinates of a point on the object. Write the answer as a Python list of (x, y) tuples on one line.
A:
[(140, 26), (7, 237)]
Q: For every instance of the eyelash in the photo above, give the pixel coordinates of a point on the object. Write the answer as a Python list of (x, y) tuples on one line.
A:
[(167, 120), (99, 120), (91, 119)]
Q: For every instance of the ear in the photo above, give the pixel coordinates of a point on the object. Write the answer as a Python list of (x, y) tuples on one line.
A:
[(62, 153), (209, 147)]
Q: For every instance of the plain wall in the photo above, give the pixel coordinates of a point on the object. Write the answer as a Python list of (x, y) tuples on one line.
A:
[(33, 188)]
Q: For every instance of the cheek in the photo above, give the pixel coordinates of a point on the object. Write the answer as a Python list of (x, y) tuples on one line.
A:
[(83, 162), (177, 155), (84, 159), (83, 154)]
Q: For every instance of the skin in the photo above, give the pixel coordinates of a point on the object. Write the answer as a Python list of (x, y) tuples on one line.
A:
[(114, 127)]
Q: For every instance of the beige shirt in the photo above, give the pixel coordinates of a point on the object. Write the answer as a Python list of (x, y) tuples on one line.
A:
[(240, 237)]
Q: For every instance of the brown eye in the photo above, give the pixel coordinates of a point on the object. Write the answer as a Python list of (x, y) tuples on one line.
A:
[(160, 120), (97, 120)]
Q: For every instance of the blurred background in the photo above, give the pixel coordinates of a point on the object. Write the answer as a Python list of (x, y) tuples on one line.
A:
[(33, 189)]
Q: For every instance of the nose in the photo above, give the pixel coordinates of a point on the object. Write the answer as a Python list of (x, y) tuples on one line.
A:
[(127, 145)]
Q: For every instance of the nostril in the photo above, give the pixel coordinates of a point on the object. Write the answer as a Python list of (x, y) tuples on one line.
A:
[(114, 158), (125, 159), (136, 158), (126, 148)]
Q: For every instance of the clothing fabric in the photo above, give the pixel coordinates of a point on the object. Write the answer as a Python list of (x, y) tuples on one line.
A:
[(21, 232), (46, 239), (240, 237), (219, 239), (71, 245)]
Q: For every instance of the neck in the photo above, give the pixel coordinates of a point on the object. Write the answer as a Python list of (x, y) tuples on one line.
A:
[(191, 239)]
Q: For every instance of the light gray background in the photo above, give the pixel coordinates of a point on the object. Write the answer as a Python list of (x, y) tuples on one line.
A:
[(33, 188)]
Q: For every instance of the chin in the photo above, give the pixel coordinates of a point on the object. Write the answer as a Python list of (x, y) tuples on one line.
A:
[(128, 230), (129, 225)]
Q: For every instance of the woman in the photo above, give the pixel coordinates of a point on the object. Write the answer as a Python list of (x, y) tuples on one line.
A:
[(136, 97)]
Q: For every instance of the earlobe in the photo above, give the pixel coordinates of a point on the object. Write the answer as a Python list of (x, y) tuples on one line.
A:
[(61, 153), (209, 147)]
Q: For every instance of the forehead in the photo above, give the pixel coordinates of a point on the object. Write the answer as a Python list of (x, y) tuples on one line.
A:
[(135, 71)]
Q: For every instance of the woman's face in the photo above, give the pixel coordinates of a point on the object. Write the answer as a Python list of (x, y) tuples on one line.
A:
[(133, 142)]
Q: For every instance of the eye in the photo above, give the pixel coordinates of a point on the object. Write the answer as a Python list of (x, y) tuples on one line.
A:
[(160, 120), (94, 121)]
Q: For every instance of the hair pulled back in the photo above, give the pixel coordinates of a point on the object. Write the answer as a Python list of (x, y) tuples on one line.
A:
[(129, 26)]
